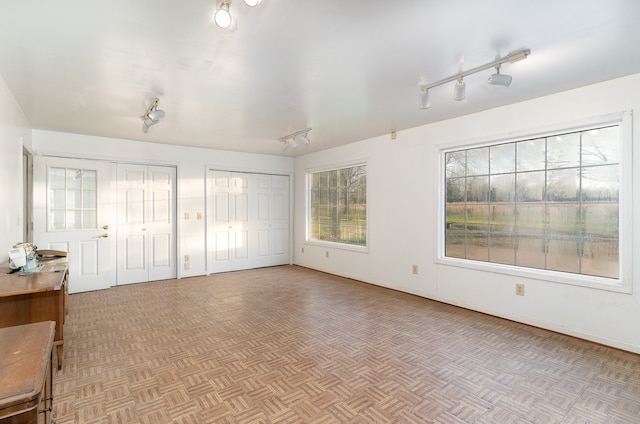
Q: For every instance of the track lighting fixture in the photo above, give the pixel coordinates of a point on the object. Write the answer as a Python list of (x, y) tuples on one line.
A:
[(223, 18), (459, 90), (294, 139), (151, 116), (460, 87), (500, 79), (424, 98)]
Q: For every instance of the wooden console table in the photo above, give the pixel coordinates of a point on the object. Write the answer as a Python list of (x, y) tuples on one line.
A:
[(26, 394), (37, 296)]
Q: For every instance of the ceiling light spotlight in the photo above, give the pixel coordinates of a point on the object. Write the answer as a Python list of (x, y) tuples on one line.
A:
[(222, 17), (500, 79), (252, 3), (459, 90), (302, 138), (424, 98), (293, 140), (152, 116)]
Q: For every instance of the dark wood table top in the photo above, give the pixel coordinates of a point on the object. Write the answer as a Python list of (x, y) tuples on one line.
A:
[(24, 355), (50, 277)]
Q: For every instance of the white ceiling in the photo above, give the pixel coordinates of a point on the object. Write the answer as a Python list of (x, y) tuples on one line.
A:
[(349, 69)]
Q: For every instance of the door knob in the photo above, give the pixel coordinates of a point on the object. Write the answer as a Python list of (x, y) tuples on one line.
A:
[(105, 227), (105, 235)]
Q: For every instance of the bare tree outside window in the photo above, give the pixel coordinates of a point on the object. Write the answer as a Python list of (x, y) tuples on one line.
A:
[(338, 205)]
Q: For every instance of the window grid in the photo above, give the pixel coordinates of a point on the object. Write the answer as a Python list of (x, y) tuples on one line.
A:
[(548, 203), (338, 206), (72, 199)]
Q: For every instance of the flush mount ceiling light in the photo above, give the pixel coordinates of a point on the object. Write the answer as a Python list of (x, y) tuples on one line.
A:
[(151, 116), (294, 139), (460, 87)]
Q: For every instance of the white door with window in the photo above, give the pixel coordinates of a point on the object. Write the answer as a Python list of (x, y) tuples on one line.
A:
[(146, 223), (72, 213), (247, 221)]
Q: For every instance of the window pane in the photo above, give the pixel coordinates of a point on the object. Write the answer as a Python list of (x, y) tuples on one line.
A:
[(600, 257), (74, 221), (563, 185), (477, 189), (530, 252), (478, 217), (563, 219), (502, 249), (503, 188), (600, 183), (89, 181), (57, 220), (74, 199), (478, 246), (530, 187), (503, 218), (503, 158), (601, 220), (57, 198), (531, 155), (89, 219), (455, 244), (455, 164), (478, 161), (57, 177), (563, 151), (530, 218), (455, 216), (455, 189), (74, 179), (601, 146), (563, 255)]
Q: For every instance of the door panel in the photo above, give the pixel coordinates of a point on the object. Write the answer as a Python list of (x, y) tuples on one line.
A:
[(146, 227), (72, 212), (248, 226)]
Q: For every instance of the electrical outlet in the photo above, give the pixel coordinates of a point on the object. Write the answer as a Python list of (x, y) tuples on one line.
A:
[(186, 258), (414, 269), (199, 215), (186, 215), (519, 289), (302, 250), (326, 254), (187, 266)]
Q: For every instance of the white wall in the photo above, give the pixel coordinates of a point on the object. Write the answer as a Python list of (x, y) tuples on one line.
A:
[(402, 184), (191, 163), (15, 132)]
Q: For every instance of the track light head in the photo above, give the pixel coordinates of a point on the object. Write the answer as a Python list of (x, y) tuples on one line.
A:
[(459, 90), (291, 142), (425, 103), (252, 3), (302, 138), (152, 116), (222, 16), (500, 79)]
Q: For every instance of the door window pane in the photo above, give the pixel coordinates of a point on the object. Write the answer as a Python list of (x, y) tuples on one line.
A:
[(73, 199)]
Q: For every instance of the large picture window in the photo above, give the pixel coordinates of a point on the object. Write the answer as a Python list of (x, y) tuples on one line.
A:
[(549, 203), (338, 205)]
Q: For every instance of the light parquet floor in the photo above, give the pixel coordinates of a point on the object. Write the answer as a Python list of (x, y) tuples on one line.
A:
[(292, 345)]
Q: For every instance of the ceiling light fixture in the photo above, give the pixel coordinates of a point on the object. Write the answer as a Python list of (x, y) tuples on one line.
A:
[(151, 116), (500, 79), (294, 139), (459, 89), (424, 98), (222, 16)]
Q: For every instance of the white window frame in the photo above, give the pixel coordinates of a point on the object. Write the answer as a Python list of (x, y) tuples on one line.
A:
[(331, 244), (624, 283)]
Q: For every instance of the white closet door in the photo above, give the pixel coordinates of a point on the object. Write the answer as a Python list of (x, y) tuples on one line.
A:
[(146, 223), (247, 221)]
